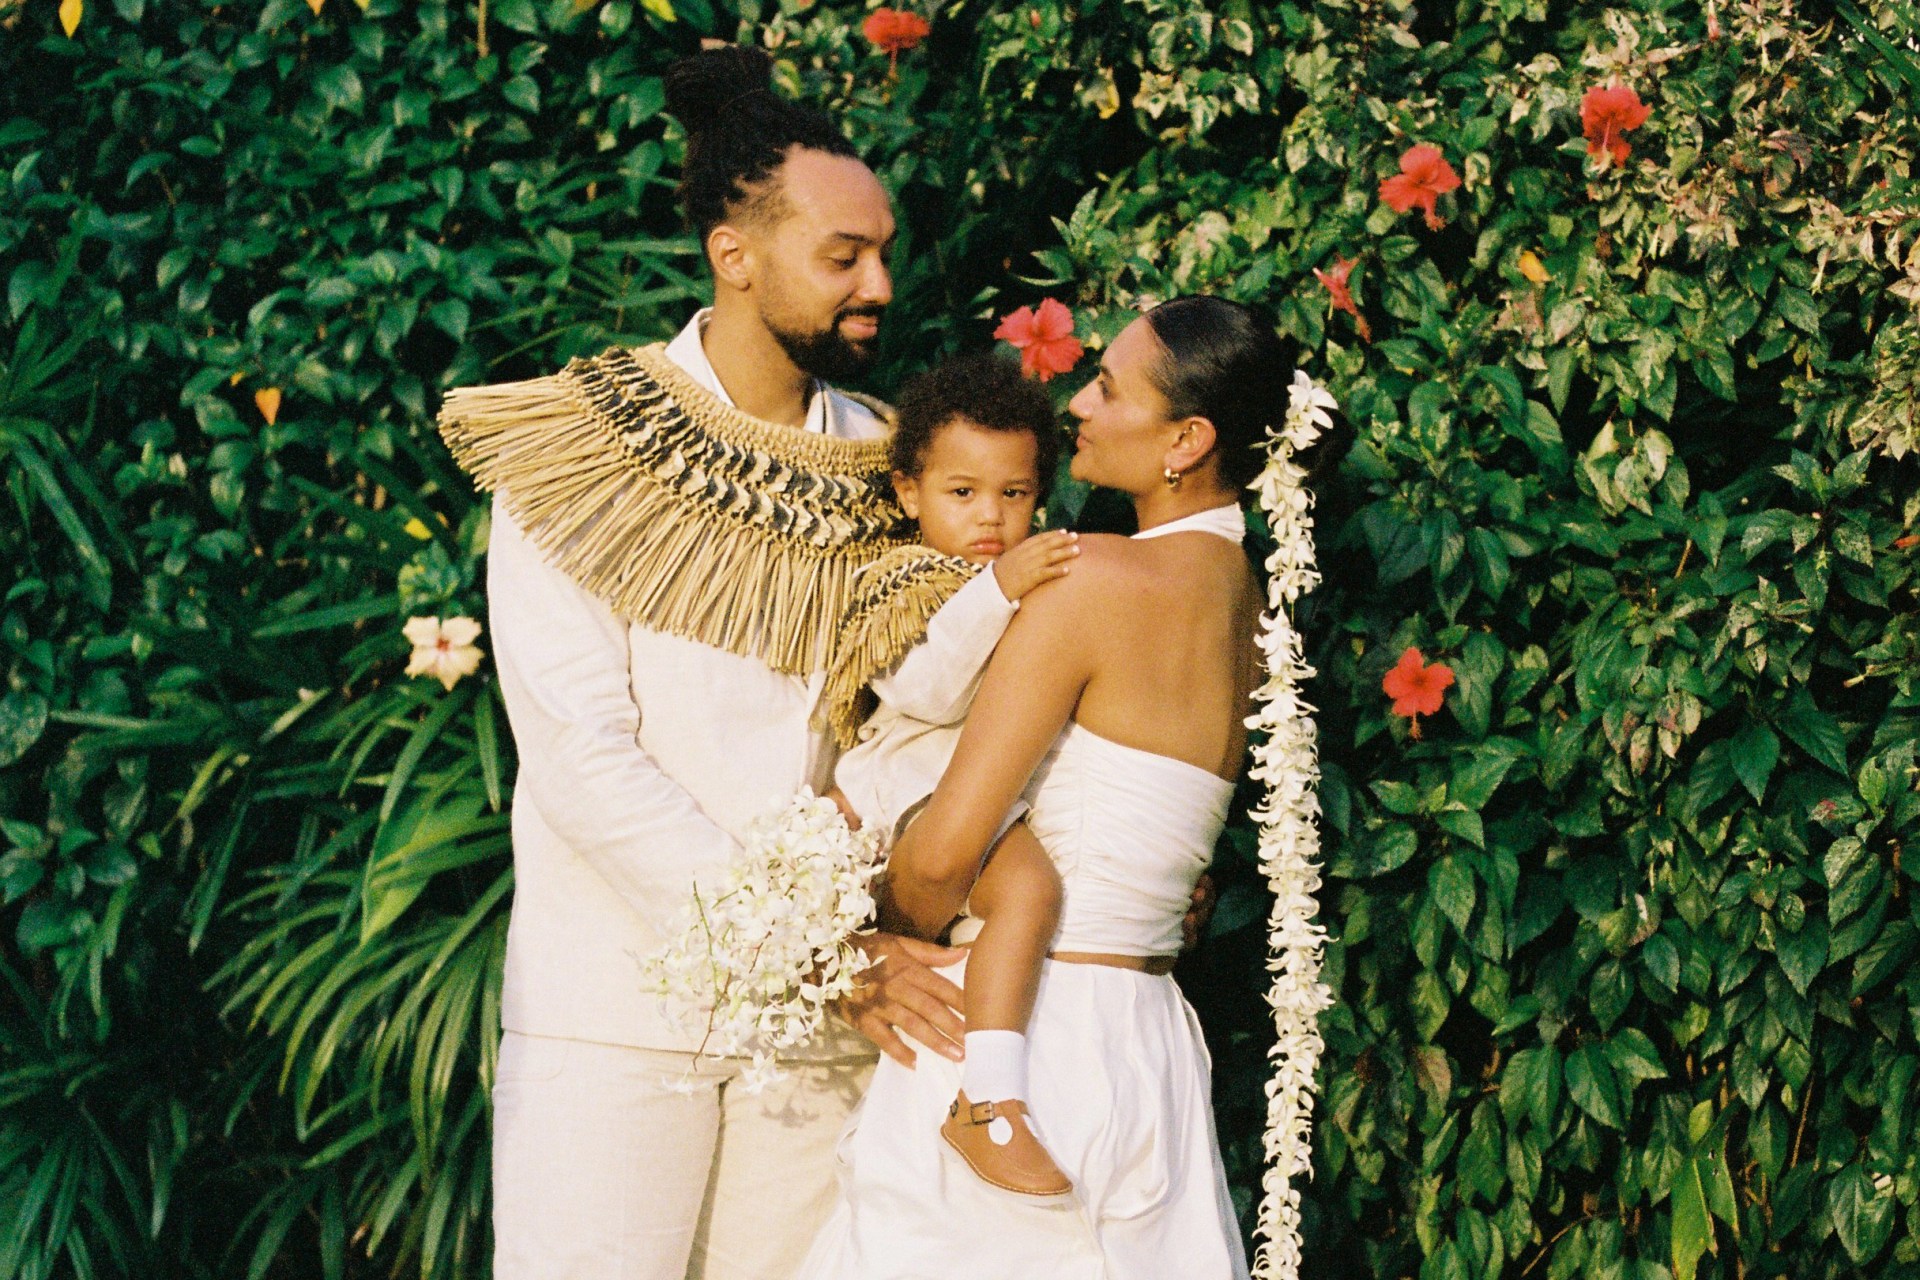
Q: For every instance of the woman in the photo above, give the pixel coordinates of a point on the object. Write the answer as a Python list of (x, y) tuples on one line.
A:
[(1122, 694)]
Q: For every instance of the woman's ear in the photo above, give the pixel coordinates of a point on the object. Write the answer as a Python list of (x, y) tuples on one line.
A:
[(907, 489), (1193, 441)]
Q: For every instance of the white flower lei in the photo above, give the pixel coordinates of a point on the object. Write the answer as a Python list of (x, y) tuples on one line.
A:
[(761, 960), (1287, 761)]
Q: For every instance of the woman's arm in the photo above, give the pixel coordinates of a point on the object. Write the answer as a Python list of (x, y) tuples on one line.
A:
[(1026, 697)]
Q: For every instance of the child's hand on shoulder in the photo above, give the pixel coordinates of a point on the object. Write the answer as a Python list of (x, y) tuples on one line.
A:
[(1041, 558)]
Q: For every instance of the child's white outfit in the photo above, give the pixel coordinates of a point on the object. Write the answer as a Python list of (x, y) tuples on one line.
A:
[(902, 748)]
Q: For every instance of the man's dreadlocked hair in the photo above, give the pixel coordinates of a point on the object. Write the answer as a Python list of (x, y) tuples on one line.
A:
[(738, 132)]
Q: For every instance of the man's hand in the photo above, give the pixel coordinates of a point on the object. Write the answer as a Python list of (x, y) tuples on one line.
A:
[(901, 992), (1041, 558), (841, 802), (1193, 925)]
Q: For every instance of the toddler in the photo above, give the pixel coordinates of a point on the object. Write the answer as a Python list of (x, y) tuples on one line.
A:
[(974, 448)]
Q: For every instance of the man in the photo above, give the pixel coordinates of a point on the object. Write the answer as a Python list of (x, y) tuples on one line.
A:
[(675, 531)]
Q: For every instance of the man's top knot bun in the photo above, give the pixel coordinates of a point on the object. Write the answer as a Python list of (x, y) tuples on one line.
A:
[(739, 131), (702, 87)]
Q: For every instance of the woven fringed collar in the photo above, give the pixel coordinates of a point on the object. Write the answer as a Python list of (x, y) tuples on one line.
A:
[(679, 511), (894, 600)]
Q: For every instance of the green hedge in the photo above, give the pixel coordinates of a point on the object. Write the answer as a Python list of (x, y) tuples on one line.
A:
[(1624, 941)]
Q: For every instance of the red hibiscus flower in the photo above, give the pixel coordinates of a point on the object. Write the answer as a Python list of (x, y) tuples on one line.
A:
[(1339, 296), (894, 31), (1607, 116), (1045, 338), (1424, 177), (1416, 688)]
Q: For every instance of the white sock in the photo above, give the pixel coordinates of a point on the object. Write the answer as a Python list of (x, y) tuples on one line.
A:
[(995, 1068)]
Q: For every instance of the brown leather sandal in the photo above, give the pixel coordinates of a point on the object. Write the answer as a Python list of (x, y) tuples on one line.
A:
[(998, 1143)]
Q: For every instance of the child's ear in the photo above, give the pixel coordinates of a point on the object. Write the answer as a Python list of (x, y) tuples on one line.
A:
[(907, 489)]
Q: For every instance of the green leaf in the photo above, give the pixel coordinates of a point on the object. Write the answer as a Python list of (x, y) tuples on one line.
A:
[(1692, 1229), (1463, 824), (1862, 1213), (1799, 308), (1632, 1053), (1513, 399), (1429, 1001), (1482, 658), (1477, 774), (1451, 883), (1425, 407), (1755, 750), (1561, 362), (1593, 1086), (1815, 732), (401, 864), (1392, 848), (1396, 797), (523, 93), (23, 718), (1714, 368), (1802, 955)]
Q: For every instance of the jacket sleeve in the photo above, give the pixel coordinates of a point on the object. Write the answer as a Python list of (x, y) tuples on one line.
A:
[(563, 659), (936, 680)]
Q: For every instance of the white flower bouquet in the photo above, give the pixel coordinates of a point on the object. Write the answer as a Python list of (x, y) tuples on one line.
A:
[(769, 948)]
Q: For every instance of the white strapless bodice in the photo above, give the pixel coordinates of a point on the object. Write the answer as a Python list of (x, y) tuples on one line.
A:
[(1131, 832)]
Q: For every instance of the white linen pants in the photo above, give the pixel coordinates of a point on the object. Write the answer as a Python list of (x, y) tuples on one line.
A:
[(609, 1163)]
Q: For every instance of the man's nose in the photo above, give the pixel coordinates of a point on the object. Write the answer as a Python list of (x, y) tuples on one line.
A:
[(1078, 406), (876, 283)]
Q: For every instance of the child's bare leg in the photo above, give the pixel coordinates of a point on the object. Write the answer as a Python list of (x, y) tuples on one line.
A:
[(1017, 899)]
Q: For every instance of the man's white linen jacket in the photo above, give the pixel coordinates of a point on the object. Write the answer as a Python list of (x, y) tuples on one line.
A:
[(643, 757)]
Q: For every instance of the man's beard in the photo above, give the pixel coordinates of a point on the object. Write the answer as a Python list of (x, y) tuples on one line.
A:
[(828, 354)]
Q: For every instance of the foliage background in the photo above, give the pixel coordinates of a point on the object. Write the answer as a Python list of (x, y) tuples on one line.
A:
[(1624, 942)]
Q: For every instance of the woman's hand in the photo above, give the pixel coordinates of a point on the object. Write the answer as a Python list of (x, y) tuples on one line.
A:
[(1193, 926), (901, 992), (1040, 559)]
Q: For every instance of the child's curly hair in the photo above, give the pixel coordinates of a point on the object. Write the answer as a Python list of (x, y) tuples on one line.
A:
[(987, 391)]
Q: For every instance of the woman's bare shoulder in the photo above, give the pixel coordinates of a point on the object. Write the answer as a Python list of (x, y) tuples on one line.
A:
[(1105, 568)]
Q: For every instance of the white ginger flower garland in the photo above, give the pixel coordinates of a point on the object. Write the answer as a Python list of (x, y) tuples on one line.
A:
[(762, 959), (1288, 762)]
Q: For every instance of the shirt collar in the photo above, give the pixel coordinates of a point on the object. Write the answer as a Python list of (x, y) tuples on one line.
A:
[(687, 351)]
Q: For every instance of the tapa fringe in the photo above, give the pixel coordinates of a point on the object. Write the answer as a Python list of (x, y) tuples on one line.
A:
[(894, 600), (678, 510)]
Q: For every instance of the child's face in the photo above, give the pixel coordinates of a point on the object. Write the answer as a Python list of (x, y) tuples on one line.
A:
[(975, 496)]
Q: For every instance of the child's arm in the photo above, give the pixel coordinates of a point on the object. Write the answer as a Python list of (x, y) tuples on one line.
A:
[(936, 680)]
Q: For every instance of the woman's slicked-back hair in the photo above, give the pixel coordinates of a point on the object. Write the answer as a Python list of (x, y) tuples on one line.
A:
[(738, 132), (1223, 362)]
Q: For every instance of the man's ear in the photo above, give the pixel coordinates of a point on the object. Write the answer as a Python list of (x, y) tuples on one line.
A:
[(907, 489), (1195, 441), (731, 253)]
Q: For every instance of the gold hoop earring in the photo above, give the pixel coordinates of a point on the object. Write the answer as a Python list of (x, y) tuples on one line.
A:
[(1171, 476)]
